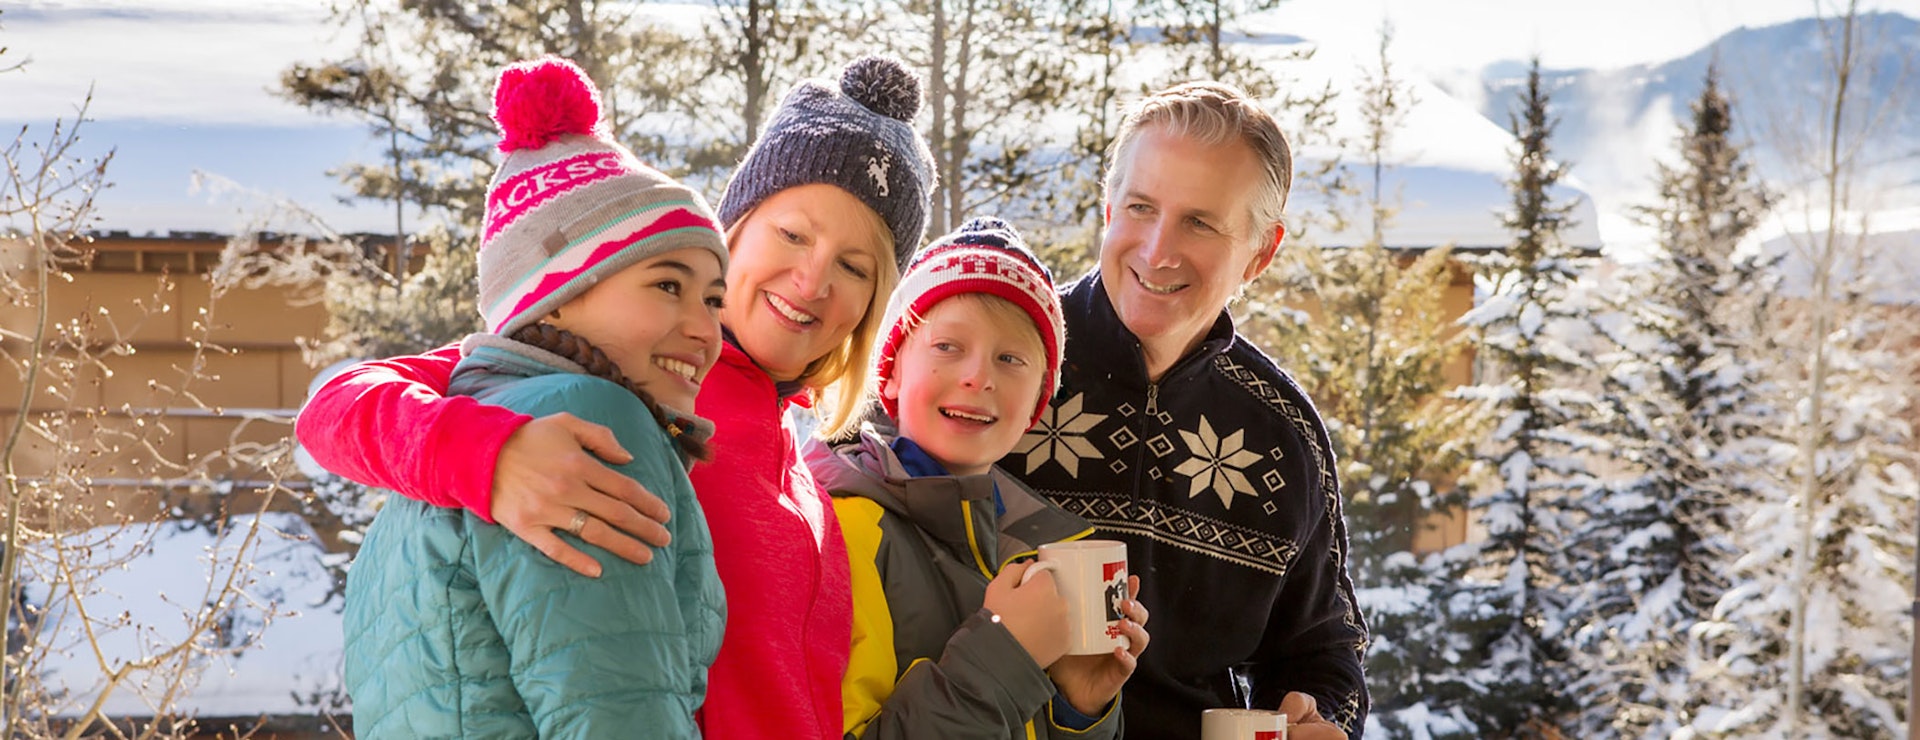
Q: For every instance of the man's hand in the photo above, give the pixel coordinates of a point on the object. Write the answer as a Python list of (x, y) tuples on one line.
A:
[(547, 473), (1089, 682), (1304, 721), (1033, 611)]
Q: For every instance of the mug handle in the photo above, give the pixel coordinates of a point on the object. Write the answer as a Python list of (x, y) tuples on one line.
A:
[(1038, 565)]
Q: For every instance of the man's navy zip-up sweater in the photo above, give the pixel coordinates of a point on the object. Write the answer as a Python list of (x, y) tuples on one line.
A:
[(1220, 479)]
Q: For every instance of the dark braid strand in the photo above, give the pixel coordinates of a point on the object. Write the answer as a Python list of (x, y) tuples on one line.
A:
[(576, 348)]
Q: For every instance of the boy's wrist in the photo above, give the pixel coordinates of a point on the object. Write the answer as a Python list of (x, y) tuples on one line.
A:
[(1072, 715), (1091, 709)]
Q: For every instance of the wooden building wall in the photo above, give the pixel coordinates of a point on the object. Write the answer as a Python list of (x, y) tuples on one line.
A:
[(154, 292)]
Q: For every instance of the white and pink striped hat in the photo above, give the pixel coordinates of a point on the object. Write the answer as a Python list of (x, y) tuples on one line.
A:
[(567, 206), (985, 255)]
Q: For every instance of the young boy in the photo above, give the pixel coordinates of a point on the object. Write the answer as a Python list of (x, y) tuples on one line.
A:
[(947, 641)]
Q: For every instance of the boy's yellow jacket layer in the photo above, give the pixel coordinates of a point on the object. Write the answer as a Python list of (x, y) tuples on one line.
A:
[(928, 660)]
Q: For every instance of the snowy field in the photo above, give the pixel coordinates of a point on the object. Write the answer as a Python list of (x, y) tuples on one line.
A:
[(282, 642)]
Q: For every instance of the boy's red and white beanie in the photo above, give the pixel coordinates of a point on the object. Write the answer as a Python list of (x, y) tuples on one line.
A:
[(985, 255), (567, 206)]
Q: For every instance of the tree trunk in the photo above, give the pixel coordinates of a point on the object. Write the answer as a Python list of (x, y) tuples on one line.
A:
[(937, 219), (1216, 62), (753, 62), (1810, 493), (959, 145)]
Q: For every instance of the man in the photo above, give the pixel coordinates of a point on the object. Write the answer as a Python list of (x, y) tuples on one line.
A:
[(1173, 433)]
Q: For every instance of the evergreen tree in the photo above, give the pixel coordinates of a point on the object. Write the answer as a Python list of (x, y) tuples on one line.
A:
[(1860, 578), (1686, 383), (1813, 640), (1372, 352), (422, 78), (1514, 599)]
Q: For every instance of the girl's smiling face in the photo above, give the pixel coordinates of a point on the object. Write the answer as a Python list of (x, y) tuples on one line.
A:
[(658, 320)]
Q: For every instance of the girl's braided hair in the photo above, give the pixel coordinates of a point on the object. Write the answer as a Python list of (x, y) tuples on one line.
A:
[(576, 348)]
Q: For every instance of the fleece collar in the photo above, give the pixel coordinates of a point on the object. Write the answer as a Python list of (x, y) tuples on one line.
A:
[(1097, 338)]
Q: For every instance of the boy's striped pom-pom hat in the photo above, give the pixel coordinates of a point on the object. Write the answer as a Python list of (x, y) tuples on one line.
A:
[(985, 255), (567, 206)]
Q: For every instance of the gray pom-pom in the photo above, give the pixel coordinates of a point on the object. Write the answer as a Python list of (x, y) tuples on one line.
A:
[(884, 86)]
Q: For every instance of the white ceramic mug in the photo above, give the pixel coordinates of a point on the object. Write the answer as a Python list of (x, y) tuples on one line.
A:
[(1242, 724), (1092, 576)]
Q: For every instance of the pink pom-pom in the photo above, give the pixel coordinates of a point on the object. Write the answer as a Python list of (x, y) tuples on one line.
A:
[(539, 100)]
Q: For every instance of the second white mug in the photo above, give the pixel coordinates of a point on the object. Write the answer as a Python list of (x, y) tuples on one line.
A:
[(1242, 724)]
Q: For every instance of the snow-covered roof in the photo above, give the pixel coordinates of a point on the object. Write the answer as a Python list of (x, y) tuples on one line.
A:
[(1447, 164)]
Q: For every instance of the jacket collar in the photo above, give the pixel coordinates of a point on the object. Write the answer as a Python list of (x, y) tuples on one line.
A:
[(944, 506), (1105, 342), (490, 360), (788, 392)]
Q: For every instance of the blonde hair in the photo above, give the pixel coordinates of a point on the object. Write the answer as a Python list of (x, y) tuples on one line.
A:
[(1211, 113), (837, 383), (1003, 315)]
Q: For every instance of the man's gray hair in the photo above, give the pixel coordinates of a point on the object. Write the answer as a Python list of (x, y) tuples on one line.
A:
[(1212, 113)]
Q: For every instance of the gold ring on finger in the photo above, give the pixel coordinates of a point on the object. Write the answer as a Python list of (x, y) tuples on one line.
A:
[(579, 522)]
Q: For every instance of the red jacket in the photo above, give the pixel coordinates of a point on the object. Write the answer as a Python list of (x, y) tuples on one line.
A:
[(776, 542), (783, 562)]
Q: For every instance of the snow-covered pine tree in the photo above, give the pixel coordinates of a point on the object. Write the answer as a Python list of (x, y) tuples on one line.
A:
[(1860, 579), (1374, 361), (1513, 600), (1374, 355), (1685, 390), (1812, 640)]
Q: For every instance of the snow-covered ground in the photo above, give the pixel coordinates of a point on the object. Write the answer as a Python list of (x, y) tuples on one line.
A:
[(156, 580)]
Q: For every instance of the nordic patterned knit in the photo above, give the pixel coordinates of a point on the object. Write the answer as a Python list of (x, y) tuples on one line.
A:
[(1219, 476)]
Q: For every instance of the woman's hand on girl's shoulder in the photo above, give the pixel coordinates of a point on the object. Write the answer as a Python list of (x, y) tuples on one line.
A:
[(550, 473)]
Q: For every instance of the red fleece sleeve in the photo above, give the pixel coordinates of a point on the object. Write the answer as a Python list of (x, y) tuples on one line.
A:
[(389, 423)]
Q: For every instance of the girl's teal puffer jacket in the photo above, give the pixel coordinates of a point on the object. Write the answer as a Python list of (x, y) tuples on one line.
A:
[(456, 628)]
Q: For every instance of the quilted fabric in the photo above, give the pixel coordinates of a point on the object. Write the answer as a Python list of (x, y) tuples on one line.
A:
[(456, 628)]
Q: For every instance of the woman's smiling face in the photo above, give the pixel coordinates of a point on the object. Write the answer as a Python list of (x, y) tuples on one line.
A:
[(801, 276)]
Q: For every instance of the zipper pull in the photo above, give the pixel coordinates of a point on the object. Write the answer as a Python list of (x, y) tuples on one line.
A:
[(1153, 400)]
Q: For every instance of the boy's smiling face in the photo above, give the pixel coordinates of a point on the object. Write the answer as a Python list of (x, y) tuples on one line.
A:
[(966, 381)]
